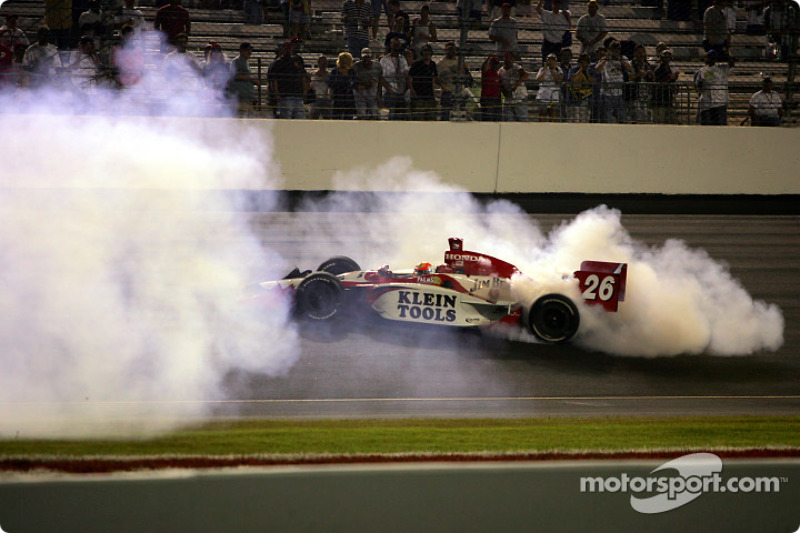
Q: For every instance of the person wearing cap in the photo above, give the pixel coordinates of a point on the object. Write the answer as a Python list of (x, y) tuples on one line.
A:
[(711, 82), (491, 104), (515, 92), (665, 76), (548, 95), (555, 24), (503, 31), (766, 108), (591, 29), (357, 21), (366, 90)]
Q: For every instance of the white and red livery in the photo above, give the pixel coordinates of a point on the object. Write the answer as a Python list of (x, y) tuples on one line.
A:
[(469, 289)]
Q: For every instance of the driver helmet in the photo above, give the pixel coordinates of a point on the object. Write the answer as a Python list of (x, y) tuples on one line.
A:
[(423, 269)]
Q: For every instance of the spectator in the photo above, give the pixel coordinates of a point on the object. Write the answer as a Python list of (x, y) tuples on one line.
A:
[(612, 68), (548, 96), (394, 12), (639, 86), (8, 78), (242, 84), (127, 59), (216, 70), (10, 35), (398, 32), (579, 90), (470, 11), (357, 19), (181, 67), (715, 23), (781, 20), (660, 47), (766, 108), (289, 83), (300, 17), (377, 7), (395, 81), (494, 8), (131, 16), (491, 105), (591, 29), (423, 75), (40, 61), (90, 23), (172, 20), (755, 16), (285, 11), (447, 67), (503, 31), (321, 105), (342, 83), (84, 65), (596, 100), (423, 30), (555, 28), (367, 86), (253, 12), (664, 90), (60, 19), (711, 82), (515, 92), (565, 65)]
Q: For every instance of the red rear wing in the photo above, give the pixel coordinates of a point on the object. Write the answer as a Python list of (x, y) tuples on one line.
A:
[(475, 263), (603, 283)]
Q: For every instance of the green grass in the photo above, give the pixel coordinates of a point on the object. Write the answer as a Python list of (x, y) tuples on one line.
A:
[(437, 436)]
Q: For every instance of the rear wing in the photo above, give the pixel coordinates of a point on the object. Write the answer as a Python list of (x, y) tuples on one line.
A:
[(603, 283)]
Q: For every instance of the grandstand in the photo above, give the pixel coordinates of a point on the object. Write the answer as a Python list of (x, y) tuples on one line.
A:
[(627, 20)]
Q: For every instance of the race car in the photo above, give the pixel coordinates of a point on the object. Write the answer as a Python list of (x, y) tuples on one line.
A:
[(470, 289)]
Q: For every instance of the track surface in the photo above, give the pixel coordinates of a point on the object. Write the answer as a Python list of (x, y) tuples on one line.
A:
[(376, 368)]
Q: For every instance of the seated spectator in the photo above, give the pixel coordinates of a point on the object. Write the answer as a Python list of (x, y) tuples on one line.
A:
[(342, 83), (395, 81), (491, 105), (515, 92), (766, 108), (367, 86), (423, 75), (664, 90), (242, 84), (321, 104), (548, 96), (423, 30), (580, 90)]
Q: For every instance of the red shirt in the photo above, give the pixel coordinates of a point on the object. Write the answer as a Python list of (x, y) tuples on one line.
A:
[(490, 84)]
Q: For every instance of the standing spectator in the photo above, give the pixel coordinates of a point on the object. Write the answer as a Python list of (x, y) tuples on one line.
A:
[(612, 68), (470, 11), (299, 18), (216, 70), (755, 16), (639, 86), (289, 83), (321, 106), (491, 105), (378, 6), (548, 96), (357, 19), (592, 29), (172, 20), (423, 75), (367, 86), (131, 16), (91, 23), (40, 61), (84, 65), (181, 68), (394, 12), (10, 35), (8, 78), (781, 20), (342, 84), (766, 108), (447, 67), (397, 30), (715, 24), (711, 82), (128, 59), (555, 26), (423, 30), (515, 92), (242, 84), (395, 81), (494, 8), (59, 18), (503, 31), (579, 90), (565, 65), (596, 100), (664, 90)]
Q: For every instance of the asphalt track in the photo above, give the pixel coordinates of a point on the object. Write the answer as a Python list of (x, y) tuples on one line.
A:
[(372, 368)]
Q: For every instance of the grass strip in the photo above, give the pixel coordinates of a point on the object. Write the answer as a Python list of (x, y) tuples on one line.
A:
[(437, 436)]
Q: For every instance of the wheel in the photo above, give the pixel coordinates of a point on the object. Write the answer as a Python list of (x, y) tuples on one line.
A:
[(554, 318), (339, 265), (319, 296)]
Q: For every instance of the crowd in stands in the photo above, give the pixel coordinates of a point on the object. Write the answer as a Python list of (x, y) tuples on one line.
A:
[(399, 75)]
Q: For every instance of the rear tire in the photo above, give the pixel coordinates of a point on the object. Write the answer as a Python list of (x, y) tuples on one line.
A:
[(319, 296), (554, 318), (339, 265)]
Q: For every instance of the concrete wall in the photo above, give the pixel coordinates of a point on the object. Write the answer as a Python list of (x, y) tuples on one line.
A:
[(535, 158)]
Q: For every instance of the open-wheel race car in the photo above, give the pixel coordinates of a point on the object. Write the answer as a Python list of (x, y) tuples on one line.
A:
[(470, 289)]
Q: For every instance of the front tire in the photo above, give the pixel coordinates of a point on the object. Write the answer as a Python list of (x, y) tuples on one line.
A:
[(554, 318), (319, 296), (339, 265)]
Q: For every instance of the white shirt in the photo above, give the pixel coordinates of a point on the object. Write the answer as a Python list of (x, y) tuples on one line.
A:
[(395, 71), (766, 104)]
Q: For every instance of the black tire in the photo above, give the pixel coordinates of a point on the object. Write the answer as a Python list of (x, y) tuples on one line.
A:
[(554, 318), (339, 265), (319, 296)]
